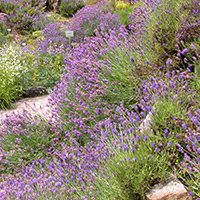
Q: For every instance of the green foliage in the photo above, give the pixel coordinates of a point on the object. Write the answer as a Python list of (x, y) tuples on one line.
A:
[(4, 34), (119, 77), (33, 138), (92, 2), (162, 27), (171, 112), (191, 179), (124, 14), (12, 66), (7, 7), (46, 70), (69, 7), (134, 170), (121, 5)]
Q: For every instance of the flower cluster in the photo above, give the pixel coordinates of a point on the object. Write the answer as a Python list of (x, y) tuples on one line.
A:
[(94, 144), (89, 18)]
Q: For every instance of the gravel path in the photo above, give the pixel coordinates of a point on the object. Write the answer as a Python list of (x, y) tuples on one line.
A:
[(35, 105)]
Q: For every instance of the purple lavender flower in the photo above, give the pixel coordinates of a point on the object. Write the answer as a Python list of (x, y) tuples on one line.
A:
[(184, 51)]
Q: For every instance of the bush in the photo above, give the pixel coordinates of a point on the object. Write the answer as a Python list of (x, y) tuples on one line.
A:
[(26, 18), (92, 2), (13, 67), (4, 33), (8, 6), (93, 17), (52, 35), (69, 7), (124, 15), (25, 143)]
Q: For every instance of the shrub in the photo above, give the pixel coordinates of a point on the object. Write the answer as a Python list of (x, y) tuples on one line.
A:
[(26, 18), (8, 6), (135, 161), (26, 143), (124, 15), (53, 34), (4, 33), (93, 17), (92, 2), (68, 8), (122, 5), (13, 68)]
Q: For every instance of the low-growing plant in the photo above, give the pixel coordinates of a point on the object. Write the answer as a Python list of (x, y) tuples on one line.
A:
[(3, 32), (12, 68), (89, 18), (124, 14), (53, 35), (8, 6), (135, 161), (68, 8), (47, 67), (26, 19), (26, 143)]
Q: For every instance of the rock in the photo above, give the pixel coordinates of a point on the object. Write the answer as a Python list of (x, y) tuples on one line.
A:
[(171, 190), (4, 18), (146, 124), (35, 91)]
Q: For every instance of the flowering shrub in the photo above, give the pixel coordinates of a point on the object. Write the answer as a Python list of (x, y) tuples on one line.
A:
[(53, 35), (95, 147), (89, 18), (69, 7), (26, 18), (12, 69), (8, 6)]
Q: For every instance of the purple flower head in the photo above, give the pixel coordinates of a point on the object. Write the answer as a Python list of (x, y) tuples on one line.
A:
[(184, 51), (196, 12)]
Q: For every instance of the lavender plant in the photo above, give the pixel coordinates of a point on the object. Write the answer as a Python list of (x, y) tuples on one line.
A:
[(96, 148), (53, 36), (89, 18), (25, 18)]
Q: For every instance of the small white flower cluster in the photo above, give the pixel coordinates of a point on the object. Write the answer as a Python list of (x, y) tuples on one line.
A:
[(12, 64)]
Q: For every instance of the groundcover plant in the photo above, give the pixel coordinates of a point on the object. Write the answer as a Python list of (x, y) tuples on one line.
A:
[(92, 145)]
